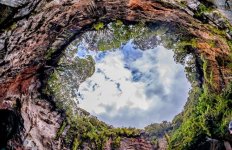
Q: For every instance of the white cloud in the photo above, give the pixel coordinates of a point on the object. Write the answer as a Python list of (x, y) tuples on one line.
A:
[(107, 93), (118, 100)]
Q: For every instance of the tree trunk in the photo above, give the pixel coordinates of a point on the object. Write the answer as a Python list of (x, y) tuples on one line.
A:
[(33, 36)]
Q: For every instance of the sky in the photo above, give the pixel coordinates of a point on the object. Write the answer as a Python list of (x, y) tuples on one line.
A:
[(134, 88)]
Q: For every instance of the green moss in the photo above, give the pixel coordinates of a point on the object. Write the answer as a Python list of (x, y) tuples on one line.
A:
[(76, 143), (119, 23), (49, 53), (229, 64), (205, 68), (183, 3), (208, 75), (229, 42), (61, 130), (154, 141), (212, 43), (116, 142), (183, 43), (98, 26), (202, 9), (161, 30), (221, 33), (216, 31)]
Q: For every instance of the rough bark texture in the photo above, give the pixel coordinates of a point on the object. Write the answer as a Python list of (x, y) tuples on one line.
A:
[(33, 30)]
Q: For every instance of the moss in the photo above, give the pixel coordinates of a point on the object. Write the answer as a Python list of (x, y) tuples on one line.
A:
[(98, 26), (154, 141), (76, 144), (229, 64), (103, 46), (229, 42), (202, 9), (216, 31), (49, 53), (61, 130), (205, 66), (119, 23), (183, 3), (211, 43), (116, 142), (12, 27), (221, 33), (208, 75)]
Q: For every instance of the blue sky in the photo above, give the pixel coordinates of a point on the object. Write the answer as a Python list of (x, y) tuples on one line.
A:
[(134, 88)]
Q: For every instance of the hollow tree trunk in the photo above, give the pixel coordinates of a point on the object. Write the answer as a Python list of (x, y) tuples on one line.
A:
[(29, 31)]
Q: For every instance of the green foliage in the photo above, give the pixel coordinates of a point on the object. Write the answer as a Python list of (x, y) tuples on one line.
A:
[(121, 34), (158, 130), (182, 49), (89, 130), (206, 115), (62, 83)]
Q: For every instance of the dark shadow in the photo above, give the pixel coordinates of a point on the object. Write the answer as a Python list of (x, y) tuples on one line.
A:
[(11, 123), (227, 4)]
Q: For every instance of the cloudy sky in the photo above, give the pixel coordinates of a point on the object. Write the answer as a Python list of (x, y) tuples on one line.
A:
[(134, 88)]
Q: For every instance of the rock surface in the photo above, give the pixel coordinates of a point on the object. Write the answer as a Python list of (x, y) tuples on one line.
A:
[(35, 35)]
